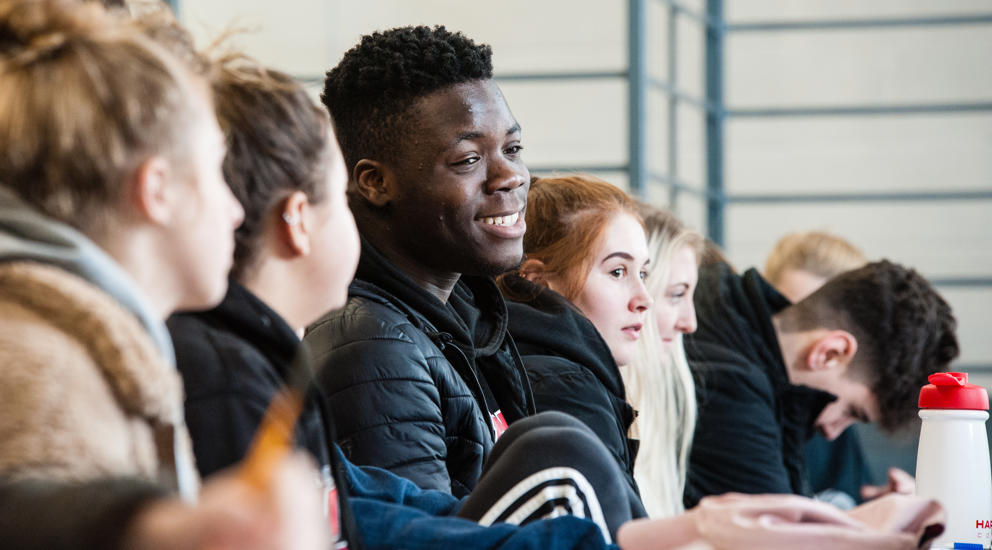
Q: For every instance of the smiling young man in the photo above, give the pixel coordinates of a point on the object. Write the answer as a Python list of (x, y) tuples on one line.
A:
[(769, 372), (420, 373)]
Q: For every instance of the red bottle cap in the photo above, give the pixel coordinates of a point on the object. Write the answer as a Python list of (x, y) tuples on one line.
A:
[(951, 390)]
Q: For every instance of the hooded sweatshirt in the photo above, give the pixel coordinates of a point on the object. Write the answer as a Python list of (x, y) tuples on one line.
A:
[(571, 369), (27, 237), (417, 386), (752, 422)]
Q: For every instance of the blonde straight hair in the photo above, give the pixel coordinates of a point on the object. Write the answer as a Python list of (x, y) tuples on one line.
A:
[(659, 385)]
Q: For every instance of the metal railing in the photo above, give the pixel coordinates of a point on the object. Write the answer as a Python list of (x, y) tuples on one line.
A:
[(712, 106)]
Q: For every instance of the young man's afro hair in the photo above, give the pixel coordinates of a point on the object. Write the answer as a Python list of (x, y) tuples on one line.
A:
[(370, 92)]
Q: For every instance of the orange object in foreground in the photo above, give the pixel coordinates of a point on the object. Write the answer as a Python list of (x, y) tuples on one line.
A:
[(273, 440)]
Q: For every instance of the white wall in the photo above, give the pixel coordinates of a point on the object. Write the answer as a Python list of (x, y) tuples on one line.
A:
[(575, 123), (882, 153)]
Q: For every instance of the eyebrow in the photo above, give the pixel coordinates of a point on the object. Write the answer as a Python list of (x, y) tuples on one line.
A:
[(477, 135), (623, 255), (467, 136)]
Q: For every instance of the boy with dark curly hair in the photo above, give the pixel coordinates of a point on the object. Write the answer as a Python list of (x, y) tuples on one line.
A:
[(769, 372), (423, 377), (418, 370)]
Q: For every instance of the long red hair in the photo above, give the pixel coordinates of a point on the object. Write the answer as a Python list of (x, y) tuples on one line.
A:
[(566, 217)]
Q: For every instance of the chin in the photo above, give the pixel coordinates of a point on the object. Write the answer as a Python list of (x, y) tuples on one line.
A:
[(217, 296), (492, 267), (623, 359), (203, 301), (339, 301)]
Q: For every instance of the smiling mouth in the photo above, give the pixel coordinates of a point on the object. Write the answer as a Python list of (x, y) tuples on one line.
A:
[(503, 221)]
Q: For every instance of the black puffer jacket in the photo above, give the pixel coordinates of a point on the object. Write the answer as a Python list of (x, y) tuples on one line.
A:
[(404, 375), (752, 422), (570, 367)]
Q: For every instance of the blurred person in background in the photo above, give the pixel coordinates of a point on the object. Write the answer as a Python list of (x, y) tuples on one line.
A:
[(769, 372), (798, 265)]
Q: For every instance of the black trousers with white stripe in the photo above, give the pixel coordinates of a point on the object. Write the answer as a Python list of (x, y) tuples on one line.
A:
[(550, 465)]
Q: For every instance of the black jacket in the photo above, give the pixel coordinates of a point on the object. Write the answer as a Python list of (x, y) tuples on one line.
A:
[(233, 359), (406, 376), (752, 422), (570, 367)]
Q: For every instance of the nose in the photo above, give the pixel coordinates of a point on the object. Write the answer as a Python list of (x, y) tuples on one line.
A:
[(641, 300), (686, 323), (506, 175), (833, 429)]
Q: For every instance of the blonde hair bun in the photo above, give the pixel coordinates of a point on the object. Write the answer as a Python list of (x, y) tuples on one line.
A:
[(31, 30)]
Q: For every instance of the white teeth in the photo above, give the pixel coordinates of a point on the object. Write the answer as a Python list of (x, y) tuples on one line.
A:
[(502, 220)]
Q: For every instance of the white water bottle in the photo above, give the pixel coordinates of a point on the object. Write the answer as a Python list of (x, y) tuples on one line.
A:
[(953, 461)]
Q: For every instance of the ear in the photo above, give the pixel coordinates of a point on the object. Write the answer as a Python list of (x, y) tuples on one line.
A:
[(534, 271), (295, 223), (374, 181), (833, 349), (150, 191)]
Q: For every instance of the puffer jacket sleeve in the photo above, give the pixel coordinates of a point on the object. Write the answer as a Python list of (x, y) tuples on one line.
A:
[(374, 370)]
